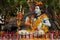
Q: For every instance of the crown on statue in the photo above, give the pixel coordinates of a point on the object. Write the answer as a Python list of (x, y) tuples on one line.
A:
[(39, 3)]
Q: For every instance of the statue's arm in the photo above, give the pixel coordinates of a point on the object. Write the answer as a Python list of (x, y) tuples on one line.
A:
[(27, 22)]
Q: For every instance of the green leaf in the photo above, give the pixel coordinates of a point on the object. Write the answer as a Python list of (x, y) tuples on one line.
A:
[(8, 1), (15, 1)]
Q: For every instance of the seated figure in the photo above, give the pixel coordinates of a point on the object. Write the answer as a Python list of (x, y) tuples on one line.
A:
[(40, 23)]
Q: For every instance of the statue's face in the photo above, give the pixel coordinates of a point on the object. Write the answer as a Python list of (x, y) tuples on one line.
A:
[(37, 9)]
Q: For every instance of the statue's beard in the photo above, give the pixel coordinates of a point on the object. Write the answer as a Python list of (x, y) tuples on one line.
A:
[(38, 14)]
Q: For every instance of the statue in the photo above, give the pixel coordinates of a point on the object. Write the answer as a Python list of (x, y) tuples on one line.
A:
[(38, 21)]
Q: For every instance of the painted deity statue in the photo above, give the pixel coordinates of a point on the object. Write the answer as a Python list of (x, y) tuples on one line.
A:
[(40, 23)]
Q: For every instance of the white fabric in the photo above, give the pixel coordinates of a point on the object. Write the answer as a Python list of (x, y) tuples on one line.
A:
[(39, 32), (23, 32)]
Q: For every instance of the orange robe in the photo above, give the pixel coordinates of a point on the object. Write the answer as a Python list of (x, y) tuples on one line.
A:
[(36, 22)]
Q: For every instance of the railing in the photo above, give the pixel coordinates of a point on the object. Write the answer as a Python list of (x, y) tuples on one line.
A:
[(53, 35)]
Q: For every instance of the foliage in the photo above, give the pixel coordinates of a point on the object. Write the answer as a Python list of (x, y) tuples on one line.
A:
[(8, 7)]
